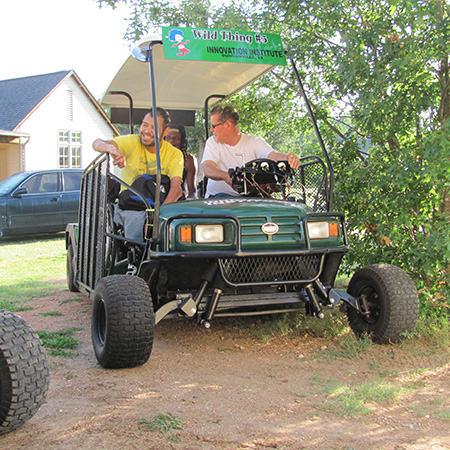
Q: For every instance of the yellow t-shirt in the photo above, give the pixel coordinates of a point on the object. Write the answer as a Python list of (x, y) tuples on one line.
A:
[(140, 161)]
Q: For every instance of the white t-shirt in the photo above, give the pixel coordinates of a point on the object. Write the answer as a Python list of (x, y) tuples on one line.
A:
[(231, 156)]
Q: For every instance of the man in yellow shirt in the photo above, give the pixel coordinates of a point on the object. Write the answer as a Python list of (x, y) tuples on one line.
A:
[(136, 154)]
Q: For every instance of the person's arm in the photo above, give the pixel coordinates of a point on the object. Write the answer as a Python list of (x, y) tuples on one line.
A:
[(175, 190), (291, 158), (112, 148), (211, 171), (191, 173)]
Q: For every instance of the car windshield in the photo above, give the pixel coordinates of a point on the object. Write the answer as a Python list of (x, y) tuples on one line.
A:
[(12, 182)]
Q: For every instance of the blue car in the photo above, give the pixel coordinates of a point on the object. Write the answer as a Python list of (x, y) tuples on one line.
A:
[(42, 201)]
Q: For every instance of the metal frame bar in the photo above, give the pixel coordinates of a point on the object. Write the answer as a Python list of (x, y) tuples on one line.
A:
[(319, 136)]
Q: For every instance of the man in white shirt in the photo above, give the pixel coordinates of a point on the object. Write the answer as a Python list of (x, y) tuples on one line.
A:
[(228, 148)]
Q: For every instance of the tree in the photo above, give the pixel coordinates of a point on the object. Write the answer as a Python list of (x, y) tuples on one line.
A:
[(386, 64)]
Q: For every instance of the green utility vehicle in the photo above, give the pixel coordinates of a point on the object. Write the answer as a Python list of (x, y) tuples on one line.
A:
[(274, 249)]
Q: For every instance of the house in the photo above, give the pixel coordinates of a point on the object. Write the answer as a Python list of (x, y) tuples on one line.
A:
[(48, 122)]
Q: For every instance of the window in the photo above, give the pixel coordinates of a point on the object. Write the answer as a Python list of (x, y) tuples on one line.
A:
[(72, 181), (44, 182), (69, 149), (63, 157), (76, 157)]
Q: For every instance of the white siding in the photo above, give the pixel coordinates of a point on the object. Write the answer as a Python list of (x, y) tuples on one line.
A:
[(9, 159), (41, 152)]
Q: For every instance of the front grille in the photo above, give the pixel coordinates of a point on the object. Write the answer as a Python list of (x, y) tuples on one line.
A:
[(270, 269), (289, 234)]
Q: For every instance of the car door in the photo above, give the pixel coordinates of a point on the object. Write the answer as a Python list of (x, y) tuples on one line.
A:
[(35, 205), (71, 196)]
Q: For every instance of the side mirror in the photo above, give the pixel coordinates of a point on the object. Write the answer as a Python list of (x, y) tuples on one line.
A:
[(19, 192)]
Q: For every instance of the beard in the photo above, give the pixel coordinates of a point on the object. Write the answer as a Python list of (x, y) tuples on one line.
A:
[(149, 141)]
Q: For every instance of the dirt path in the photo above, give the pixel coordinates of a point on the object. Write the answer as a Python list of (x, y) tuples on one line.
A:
[(231, 391)]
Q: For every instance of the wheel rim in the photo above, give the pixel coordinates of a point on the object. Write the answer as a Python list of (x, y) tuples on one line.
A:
[(101, 322), (372, 300)]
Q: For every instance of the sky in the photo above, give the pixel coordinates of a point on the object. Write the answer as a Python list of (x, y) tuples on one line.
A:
[(45, 36)]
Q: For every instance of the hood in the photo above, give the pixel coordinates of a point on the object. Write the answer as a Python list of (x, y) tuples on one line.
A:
[(240, 207)]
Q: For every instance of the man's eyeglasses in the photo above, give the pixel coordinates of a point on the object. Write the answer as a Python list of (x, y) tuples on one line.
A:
[(216, 125)]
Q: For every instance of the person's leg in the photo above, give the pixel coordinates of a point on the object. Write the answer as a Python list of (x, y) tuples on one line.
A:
[(132, 223)]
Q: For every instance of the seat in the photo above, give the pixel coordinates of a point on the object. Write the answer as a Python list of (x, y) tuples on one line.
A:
[(49, 187)]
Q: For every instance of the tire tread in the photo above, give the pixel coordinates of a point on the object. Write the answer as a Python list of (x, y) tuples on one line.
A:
[(24, 370), (400, 305)]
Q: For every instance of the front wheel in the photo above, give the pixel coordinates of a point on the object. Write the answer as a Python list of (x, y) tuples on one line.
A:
[(122, 322), (389, 303), (24, 372)]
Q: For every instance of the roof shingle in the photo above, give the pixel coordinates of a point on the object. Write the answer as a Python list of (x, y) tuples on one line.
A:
[(19, 96)]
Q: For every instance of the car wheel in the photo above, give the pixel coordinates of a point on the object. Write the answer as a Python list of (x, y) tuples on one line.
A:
[(70, 266), (389, 303), (122, 322), (24, 372)]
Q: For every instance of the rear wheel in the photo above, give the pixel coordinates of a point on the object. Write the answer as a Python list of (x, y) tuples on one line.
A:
[(70, 266), (122, 322), (24, 372), (389, 303)]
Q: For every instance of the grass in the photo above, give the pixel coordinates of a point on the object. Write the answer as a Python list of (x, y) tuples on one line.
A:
[(298, 325), (353, 401), (443, 414), (70, 300), (52, 314), (434, 332), (58, 343), (13, 307), (30, 268), (437, 408), (33, 268), (348, 346), (164, 423)]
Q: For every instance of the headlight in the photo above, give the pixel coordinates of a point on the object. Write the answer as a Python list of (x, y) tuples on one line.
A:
[(209, 234), (322, 230)]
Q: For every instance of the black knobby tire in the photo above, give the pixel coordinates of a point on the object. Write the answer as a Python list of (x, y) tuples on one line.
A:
[(24, 372), (392, 302), (122, 322), (70, 269)]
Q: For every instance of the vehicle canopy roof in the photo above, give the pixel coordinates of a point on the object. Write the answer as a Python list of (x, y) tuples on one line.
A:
[(192, 65), (186, 67)]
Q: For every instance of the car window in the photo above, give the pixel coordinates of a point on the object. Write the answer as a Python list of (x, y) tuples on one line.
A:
[(72, 181), (41, 183)]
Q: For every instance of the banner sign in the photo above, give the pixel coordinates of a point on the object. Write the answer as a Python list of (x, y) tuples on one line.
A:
[(205, 44)]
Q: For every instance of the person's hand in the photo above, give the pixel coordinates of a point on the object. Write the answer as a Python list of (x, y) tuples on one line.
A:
[(118, 157), (293, 160), (228, 179)]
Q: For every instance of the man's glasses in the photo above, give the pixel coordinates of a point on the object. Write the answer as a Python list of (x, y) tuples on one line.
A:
[(216, 125)]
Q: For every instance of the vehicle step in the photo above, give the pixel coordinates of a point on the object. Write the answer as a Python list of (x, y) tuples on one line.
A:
[(244, 300)]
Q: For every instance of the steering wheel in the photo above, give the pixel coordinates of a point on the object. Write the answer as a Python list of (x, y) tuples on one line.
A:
[(261, 177)]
